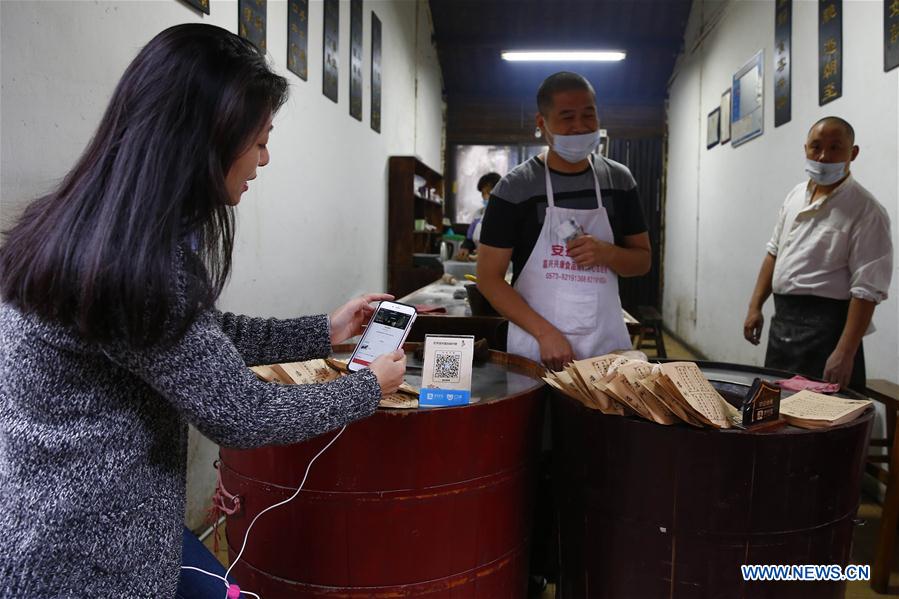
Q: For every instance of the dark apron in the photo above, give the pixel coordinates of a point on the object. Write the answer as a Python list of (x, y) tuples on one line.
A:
[(805, 331)]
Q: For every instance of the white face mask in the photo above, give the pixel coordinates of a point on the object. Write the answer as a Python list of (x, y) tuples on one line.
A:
[(825, 173), (574, 148)]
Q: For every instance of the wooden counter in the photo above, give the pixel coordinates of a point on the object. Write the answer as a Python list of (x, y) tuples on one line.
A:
[(428, 502)]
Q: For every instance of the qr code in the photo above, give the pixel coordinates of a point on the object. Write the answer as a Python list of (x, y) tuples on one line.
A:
[(446, 366)]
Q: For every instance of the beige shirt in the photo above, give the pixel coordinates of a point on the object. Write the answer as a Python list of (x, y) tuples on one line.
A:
[(839, 247)]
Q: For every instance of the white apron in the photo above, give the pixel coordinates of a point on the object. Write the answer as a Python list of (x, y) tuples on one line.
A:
[(581, 302)]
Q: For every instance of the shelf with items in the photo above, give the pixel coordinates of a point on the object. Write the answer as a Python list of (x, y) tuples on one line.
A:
[(429, 200), (424, 242), (409, 210)]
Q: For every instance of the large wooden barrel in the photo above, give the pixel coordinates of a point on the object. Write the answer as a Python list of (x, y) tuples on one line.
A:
[(647, 511), (432, 503)]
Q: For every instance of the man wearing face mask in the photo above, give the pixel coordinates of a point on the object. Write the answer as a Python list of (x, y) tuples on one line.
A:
[(473, 236), (571, 224), (829, 263)]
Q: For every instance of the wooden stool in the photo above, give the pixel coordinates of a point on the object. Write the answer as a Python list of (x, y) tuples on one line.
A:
[(650, 330), (886, 538)]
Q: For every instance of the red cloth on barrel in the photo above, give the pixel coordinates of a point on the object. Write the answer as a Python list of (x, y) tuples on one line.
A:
[(798, 383), (429, 309)]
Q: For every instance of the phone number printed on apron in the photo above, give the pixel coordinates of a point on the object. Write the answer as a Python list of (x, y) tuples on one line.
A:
[(575, 278), (569, 265)]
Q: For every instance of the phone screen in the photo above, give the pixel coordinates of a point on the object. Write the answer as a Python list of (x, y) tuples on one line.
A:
[(382, 336)]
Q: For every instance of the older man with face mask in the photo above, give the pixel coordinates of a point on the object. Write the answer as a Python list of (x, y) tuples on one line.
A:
[(829, 263), (571, 224)]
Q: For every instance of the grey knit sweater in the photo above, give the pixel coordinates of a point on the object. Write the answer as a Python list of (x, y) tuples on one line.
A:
[(93, 442)]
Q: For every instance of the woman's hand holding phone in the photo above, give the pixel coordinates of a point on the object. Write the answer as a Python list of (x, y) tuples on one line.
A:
[(347, 320), (389, 370)]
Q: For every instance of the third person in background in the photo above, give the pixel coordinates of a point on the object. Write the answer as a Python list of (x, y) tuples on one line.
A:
[(829, 263), (473, 237)]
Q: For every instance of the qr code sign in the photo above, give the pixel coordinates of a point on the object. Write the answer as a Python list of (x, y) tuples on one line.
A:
[(446, 366)]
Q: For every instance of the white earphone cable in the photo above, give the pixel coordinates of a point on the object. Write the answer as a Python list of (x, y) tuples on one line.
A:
[(224, 578), (288, 500)]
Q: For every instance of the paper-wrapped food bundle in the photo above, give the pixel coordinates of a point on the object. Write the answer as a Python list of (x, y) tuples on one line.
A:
[(322, 371), (620, 384)]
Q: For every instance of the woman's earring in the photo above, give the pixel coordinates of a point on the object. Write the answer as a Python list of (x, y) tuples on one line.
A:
[(537, 133)]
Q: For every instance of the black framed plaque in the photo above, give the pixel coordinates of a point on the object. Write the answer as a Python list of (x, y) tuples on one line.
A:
[(298, 37), (783, 34), (830, 50), (713, 129), (356, 59), (201, 5), (725, 117), (251, 21), (890, 34), (375, 72), (331, 41)]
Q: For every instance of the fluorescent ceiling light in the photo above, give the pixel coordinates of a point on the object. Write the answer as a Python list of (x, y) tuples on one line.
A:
[(562, 55)]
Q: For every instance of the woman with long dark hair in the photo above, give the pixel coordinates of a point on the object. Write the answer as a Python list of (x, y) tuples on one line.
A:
[(109, 340)]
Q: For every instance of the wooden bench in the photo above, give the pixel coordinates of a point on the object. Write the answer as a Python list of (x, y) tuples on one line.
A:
[(650, 330), (886, 393)]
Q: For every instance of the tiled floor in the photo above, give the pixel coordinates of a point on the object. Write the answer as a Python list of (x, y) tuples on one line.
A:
[(863, 547)]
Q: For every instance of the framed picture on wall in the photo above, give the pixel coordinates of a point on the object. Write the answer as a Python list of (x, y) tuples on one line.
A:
[(356, 59), (201, 5), (782, 65), (330, 42), (713, 131), (890, 35), (725, 117), (748, 101), (830, 51), (375, 73), (298, 37), (251, 21)]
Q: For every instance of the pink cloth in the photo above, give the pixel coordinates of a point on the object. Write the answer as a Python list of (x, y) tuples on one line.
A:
[(798, 383), (429, 309)]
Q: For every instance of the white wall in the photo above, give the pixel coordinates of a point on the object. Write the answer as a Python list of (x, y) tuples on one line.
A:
[(722, 203), (312, 229)]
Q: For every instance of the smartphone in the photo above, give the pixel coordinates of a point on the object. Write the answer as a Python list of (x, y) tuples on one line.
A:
[(569, 230), (387, 330)]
